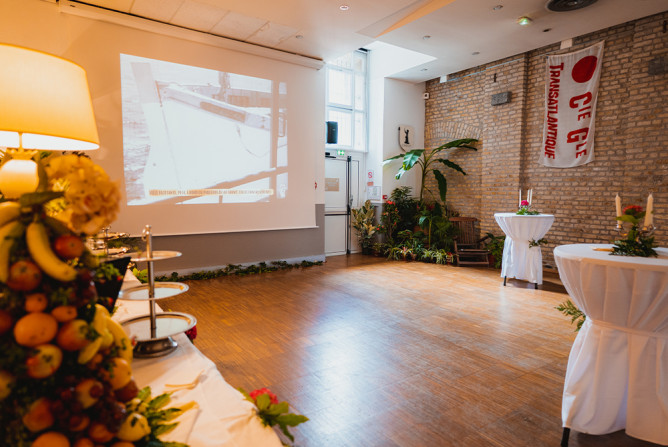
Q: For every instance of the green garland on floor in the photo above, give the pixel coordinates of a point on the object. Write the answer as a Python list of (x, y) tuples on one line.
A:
[(231, 269)]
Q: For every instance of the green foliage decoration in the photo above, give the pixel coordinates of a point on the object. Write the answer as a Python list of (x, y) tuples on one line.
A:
[(570, 310)]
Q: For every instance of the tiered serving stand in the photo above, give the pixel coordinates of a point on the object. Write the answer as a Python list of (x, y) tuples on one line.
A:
[(153, 332)]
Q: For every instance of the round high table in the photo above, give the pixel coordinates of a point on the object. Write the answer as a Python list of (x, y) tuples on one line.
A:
[(519, 260), (617, 373)]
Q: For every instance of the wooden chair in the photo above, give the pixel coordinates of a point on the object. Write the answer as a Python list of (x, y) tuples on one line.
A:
[(468, 245)]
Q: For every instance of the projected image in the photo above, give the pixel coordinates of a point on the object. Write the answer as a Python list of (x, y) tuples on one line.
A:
[(195, 135)]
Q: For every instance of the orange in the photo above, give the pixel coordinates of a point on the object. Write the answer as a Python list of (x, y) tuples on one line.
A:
[(64, 313), (99, 433), (45, 361), (36, 302), (39, 416), (122, 444), (84, 442), (35, 329), (51, 439)]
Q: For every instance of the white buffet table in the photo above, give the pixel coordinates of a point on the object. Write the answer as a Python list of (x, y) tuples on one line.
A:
[(223, 416), (617, 374), (520, 261)]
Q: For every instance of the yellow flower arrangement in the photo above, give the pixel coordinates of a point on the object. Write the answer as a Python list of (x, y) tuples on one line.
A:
[(92, 198)]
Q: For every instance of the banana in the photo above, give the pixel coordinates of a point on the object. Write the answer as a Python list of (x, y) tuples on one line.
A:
[(8, 233), (40, 250), (9, 211), (88, 352), (121, 340), (100, 325)]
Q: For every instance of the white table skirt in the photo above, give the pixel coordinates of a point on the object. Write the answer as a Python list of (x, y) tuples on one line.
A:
[(224, 418), (520, 261), (617, 373)]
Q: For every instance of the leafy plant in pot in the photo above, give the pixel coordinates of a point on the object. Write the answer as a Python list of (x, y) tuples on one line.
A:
[(364, 221)]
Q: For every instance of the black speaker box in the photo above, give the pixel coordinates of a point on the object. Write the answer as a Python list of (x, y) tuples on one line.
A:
[(332, 132)]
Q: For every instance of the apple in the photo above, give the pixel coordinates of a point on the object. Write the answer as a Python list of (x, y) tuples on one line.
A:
[(64, 313), (39, 416), (44, 362), (24, 276), (98, 432), (72, 335), (128, 392), (118, 374), (68, 246), (134, 427), (88, 392)]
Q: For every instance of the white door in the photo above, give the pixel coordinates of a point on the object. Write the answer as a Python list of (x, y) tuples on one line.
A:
[(341, 193)]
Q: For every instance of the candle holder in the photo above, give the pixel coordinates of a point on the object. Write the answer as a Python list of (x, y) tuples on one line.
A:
[(637, 240)]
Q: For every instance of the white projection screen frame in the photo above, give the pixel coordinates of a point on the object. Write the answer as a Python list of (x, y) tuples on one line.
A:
[(211, 140)]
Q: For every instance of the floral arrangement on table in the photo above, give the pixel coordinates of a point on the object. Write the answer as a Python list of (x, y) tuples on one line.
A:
[(272, 412), (65, 369), (638, 240)]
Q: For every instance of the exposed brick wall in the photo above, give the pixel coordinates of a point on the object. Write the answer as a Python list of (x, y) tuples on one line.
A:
[(631, 141)]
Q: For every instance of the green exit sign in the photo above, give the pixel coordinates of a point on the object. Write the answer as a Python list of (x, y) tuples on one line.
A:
[(340, 152)]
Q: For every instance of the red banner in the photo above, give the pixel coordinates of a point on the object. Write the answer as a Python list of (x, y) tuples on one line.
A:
[(571, 91)]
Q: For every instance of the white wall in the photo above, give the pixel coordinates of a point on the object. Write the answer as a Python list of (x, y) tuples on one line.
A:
[(391, 104)]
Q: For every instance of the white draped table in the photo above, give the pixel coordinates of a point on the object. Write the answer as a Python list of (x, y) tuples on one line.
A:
[(617, 374), (519, 260), (223, 417)]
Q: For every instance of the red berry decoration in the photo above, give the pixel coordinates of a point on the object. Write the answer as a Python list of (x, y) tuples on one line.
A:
[(68, 246)]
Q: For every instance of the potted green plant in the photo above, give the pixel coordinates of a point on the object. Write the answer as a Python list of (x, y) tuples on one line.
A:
[(495, 247), (364, 221)]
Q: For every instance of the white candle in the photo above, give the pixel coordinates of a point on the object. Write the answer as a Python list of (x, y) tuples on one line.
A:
[(649, 211), (618, 205), (530, 195), (520, 202)]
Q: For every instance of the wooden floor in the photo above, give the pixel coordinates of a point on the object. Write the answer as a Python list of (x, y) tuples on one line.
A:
[(389, 353)]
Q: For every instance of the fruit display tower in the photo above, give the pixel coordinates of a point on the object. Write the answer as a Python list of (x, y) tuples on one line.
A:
[(65, 369)]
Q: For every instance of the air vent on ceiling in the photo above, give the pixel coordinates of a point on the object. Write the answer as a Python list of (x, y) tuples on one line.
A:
[(568, 5)]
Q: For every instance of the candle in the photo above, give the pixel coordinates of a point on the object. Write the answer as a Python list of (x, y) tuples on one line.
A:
[(520, 202), (618, 205), (530, 195), (649, 211)]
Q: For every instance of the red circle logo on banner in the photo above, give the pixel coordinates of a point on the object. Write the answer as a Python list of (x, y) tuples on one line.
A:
[(584, 69)]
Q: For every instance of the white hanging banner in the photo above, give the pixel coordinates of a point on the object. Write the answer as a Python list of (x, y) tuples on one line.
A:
[(571, 90)]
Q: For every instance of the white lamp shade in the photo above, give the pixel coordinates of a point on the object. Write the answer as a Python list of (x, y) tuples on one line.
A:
[(46, 100)]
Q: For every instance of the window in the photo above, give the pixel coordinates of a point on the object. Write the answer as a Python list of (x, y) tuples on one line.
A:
[(347, 99)]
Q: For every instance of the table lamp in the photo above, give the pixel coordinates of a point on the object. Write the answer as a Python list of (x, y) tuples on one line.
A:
[(45, 104)]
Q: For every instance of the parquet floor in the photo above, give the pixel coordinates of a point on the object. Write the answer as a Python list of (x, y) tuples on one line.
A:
[(388, 353)]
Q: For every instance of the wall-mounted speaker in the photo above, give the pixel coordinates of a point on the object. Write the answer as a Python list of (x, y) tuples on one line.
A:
[(332, 132)]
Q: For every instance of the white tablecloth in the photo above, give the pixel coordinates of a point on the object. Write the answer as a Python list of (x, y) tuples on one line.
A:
[(224, 417), (617, 374), (520, 261)]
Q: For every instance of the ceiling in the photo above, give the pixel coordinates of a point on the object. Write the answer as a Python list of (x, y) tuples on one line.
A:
[(463, 33)]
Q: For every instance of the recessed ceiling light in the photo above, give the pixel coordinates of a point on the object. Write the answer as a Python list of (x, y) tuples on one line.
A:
[(475, 53), (524, 20), (427, 37), (497, 7), (344, 7)]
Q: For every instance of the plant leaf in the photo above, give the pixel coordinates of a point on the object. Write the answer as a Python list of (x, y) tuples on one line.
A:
[(387, 160), (39, 198), (262, 402), (411, 157), (464, 142), (442, 184), (451, 164)]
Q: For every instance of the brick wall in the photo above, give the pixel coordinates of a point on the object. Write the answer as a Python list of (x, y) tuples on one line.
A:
[(631, 141)]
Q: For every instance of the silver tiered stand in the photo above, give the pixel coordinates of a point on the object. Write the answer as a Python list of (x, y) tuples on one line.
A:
[(153, 332)]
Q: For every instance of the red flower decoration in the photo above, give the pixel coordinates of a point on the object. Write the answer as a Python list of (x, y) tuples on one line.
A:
[(389, 202), (633, 210), (524, 203), (192, 333), (257, 393)]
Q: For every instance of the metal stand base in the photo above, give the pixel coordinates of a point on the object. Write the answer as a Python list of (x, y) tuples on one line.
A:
[(504, 280), (155, 348), (564, 437), (535, 285)]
